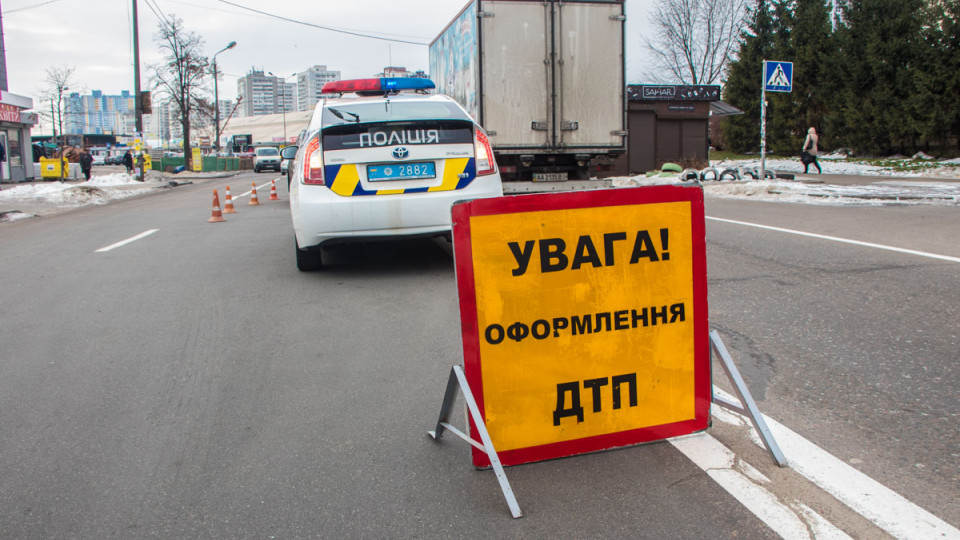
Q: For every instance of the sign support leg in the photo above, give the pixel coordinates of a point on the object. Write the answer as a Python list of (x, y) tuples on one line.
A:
[(749, 408), (458, 379)]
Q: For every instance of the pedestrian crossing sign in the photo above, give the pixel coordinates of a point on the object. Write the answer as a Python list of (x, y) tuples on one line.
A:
[(777, 76)]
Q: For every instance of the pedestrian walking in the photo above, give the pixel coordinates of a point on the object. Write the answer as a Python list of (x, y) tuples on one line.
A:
[(86, 163), (809, 153), (128, 162)]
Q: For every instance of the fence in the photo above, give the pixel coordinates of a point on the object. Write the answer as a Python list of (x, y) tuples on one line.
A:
[(210, 163)]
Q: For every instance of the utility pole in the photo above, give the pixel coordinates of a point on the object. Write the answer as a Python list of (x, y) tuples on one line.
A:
[(216, 99), (137, 98), (138, 106)]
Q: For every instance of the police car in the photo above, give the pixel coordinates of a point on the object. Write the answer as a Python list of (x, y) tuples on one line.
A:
[(384, 159)]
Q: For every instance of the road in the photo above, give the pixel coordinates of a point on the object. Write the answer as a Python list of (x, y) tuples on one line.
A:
[(193, 383)]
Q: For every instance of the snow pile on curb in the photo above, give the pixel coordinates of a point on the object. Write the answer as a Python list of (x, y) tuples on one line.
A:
[(99, 190), (879, 194), (888, 192), (836, 164)]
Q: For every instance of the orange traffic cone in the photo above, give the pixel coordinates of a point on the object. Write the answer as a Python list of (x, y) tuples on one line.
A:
[(253, 196), (273, 191), (216, 216), (228, 205)]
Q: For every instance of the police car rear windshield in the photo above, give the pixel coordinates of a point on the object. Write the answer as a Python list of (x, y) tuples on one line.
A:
[(391, 111)]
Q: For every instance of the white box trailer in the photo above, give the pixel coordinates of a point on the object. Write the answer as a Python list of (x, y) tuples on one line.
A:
[(545, 79)]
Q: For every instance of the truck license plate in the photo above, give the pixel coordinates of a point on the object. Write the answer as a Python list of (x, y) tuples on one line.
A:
[(550, 177)]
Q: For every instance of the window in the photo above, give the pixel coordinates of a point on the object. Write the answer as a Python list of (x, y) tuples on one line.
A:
[(14, 156)]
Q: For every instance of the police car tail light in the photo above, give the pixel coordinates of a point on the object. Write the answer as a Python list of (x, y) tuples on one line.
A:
[(313, 163), (483, 154)]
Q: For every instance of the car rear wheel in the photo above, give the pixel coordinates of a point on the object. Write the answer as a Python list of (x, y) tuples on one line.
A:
[(308, 260)]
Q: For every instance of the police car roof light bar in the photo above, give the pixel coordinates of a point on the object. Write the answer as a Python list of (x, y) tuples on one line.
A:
[(385, 84)]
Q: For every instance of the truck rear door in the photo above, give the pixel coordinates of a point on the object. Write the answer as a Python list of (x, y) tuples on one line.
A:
[(590, 85), (517, 73)]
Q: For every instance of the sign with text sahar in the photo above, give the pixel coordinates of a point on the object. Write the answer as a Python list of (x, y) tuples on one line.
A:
[(584, 318)]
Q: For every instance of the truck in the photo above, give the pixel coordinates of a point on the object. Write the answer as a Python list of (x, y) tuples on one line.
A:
[(545, 79)]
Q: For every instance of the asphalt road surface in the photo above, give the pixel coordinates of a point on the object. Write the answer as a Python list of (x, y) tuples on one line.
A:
[(194, 384)]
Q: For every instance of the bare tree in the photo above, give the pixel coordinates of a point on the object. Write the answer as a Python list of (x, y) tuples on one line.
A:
[(182, 74), (57, 82), (694, 39)]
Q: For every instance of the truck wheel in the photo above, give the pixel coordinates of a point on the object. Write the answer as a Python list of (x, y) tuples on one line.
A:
[(308, 260)]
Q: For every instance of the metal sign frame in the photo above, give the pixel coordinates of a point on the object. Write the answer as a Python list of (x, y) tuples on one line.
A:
[(457, 381)]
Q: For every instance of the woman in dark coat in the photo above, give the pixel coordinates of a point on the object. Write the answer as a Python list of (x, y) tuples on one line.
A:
[(86, 164), (128, 162)]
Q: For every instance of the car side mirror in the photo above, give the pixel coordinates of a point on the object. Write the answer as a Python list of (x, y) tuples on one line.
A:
[(288, 152)]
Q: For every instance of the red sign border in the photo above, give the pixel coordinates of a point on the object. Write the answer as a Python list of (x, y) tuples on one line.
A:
[(463, 260)]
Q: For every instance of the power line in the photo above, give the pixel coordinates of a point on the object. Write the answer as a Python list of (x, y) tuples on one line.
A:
[(330, 28), (155, 8), (31, 7)]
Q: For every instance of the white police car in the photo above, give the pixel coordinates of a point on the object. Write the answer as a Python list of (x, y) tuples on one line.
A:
[(386, 160)]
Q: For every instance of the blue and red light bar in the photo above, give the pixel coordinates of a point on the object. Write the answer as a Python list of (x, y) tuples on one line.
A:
[(386, 84)]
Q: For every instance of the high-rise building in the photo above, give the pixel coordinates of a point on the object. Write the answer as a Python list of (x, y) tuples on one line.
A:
[(261, 93), (99, 114), (226, 108), (309, 84), (164, 122), (400, 71)]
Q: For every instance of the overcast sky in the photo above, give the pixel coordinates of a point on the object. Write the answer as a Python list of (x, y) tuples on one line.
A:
[(95, 37)]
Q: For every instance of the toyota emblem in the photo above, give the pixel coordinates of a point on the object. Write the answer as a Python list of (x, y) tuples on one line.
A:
[(400, 152)]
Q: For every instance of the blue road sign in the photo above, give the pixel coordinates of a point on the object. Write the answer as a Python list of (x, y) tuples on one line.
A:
[(777, 76)]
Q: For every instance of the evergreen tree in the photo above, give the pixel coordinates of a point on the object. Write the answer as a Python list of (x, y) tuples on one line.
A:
[(782, 109), (811, 50), (879, 46), (936, 102), (741, 133)]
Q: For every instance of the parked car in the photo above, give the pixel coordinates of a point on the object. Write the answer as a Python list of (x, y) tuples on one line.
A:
[(382, 161), (267, 157), (113, 160)]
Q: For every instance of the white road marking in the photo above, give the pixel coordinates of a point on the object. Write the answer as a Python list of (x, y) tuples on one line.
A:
[(718, 462), (838, 239), (127, 241), (864, 495), (251, 191)]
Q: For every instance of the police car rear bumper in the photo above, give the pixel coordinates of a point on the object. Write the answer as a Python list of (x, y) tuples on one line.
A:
[(321, 216)]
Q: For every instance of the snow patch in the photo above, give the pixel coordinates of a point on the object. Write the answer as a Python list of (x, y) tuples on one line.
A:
[(98, 190)]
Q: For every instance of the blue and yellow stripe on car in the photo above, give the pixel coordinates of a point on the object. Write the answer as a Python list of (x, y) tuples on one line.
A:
[(344, 180)]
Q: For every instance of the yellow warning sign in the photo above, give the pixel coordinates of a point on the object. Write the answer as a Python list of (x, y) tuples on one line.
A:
[(586, 320)]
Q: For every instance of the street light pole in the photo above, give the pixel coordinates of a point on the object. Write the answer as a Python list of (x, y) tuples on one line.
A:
[(283, 109), (216, 98)]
